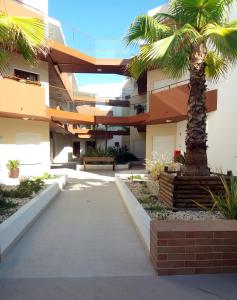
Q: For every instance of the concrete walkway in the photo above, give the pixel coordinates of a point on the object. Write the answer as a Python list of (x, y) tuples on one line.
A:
[(84, 246)]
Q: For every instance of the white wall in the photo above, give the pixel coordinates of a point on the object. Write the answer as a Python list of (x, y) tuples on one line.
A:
[(180, 135), (40, 68), (27, 141), (222, 126), (63, 147)]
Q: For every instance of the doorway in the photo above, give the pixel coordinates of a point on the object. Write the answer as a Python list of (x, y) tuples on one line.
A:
[(76, 149)]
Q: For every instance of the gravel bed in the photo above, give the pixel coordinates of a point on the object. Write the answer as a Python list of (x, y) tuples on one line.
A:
[(6, 213), (146, 193)]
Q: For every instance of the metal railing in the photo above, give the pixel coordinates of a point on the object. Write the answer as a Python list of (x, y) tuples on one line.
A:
[(170, 86)]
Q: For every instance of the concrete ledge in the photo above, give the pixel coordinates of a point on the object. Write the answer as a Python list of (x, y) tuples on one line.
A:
[(14, 227), (138, 214), (102, 167), (62, 181), (194, 247)]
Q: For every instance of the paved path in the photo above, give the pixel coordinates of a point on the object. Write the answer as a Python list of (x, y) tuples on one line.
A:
[(84, 246)]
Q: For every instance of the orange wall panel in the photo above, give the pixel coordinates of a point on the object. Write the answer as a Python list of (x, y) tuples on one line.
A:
[(21, 98), (17, 9), (172, 104)]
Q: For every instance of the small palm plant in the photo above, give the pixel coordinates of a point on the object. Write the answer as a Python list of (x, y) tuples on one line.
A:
[(194, 37), (226, 203), (13, 167), (24, 35)]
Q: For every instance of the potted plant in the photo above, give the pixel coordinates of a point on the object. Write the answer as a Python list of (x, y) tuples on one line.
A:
[(13, 167)]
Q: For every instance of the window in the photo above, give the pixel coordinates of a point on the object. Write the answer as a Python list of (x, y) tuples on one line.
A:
[(26, 75)]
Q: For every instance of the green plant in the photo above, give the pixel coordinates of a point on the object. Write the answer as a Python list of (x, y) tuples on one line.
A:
[(122, 155), (24, 35), (98, 152), (13, 164), (6, 204), (195, 37), (134, 177), (45, 176), (226, 203), (25, 189), (156, 167)]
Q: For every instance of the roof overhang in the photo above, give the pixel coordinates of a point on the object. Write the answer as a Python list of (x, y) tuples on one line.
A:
[(25, 117), (76, 118), (72, 61)]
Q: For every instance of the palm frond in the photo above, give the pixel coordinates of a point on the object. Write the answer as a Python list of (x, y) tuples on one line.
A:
[(200, 12), (23, 34), (3, 61), (177, 65), (222, 38), (216, 66), (184, 37), (138, 65), (146, 29), (164, 17)]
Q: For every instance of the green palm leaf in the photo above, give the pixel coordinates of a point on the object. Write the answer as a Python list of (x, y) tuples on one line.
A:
[(146, 29), (216, 66), (223, 38), (22, 34)]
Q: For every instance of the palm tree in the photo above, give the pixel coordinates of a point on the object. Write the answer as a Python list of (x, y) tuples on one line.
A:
[(195, 36), (24, 35)]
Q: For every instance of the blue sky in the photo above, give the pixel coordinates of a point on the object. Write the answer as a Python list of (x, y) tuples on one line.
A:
[(96, 27)]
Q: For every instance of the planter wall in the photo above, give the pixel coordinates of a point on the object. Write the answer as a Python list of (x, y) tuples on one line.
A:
[(184, 247), (194, 247), (138, 214), (181, 191), (14, 227)]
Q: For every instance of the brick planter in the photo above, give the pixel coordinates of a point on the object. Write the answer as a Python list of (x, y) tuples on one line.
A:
[(193, 247), (181, 191)]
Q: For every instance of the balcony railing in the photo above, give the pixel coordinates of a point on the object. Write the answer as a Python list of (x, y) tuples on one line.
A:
[(90, 103), (170, 86)]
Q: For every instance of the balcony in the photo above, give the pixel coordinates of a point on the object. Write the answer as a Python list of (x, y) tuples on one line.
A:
[(22, 100), (170, 103), (119, 111)]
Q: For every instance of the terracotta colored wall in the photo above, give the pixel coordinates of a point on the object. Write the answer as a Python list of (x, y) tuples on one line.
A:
[(22, 98), (13, 8)]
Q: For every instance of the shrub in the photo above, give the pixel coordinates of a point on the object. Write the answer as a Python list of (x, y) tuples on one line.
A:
[(122, 155), (46, 176), (98, 152), (25, 189), (226, 203), (6, 204), (155, 167), (134, 177)]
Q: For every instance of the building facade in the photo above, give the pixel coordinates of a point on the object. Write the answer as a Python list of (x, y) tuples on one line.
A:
[(46, 118)]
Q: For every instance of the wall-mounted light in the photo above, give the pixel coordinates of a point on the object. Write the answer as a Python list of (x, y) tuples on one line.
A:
[(99, 70), (25, 119), (168, 121)]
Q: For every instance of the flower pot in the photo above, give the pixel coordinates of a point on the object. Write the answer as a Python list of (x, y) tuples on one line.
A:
[(14, 173)]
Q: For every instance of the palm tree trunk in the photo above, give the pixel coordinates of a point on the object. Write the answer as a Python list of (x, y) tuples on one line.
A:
[(196, 135)]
